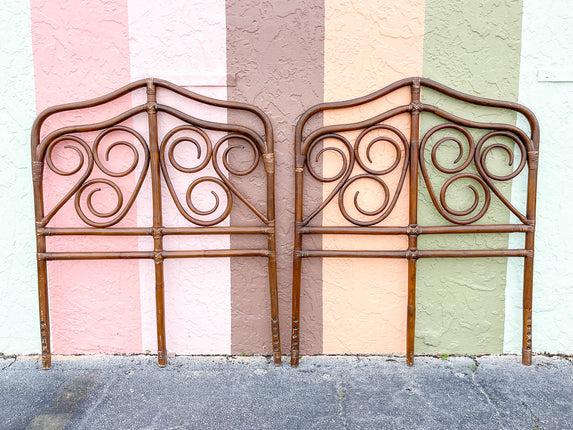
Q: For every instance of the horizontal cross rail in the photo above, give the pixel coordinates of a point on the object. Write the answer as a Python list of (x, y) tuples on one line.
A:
[(446, 229), (149, 231), (154, 255), (434, 253)]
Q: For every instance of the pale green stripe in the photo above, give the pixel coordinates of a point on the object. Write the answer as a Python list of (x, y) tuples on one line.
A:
[(472, 46), (19, 327)]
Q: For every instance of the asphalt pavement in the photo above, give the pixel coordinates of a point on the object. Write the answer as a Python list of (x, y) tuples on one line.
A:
[(324, 392)]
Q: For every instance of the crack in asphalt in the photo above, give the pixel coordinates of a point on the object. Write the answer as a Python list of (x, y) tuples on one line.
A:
[(484, 393), (534, 417), (11, 363), (341, 393)]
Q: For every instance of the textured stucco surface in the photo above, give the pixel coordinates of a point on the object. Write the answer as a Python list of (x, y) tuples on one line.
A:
[(275, 50), (19, 332), (81, 51), (473, 47), (163, 44), (368, 45), (547, 44), (281, 61)]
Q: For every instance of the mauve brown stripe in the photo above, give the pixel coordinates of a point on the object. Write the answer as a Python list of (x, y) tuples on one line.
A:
[(276, 51)]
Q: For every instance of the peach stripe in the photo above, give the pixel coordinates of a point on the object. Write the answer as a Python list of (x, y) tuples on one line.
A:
[(364, 301)]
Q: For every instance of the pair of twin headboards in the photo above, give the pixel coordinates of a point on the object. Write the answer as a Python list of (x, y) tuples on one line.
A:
[(147, 136)]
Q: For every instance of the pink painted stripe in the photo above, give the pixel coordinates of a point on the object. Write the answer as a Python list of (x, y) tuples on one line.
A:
[(81, 50)]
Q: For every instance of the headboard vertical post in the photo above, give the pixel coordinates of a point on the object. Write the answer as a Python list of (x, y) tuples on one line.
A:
[(526, 351), (269, 160), (413, 219), (157, 223), (42, 264), (297, 258)]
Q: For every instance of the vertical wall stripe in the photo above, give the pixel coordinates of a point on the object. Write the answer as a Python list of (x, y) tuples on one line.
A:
[(546, 87), (80, 52), (473, 47), (285, 57), (19, 327), (184, 42), (275, 51), (364, 301)]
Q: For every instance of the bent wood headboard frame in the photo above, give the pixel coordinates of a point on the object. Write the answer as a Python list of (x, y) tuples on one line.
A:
[(153, 157), (352, 143)]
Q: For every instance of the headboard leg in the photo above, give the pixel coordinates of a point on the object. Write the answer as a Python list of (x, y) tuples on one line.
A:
[(411, 314), (295, 340), (44, 308), (526, 351), (275, 329)]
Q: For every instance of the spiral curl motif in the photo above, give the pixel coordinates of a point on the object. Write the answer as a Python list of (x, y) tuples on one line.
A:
[(254, 153), (83, 184), (344, 174), (442, 205), (347, 162), (89, 203), (460, 145), (475, 203), (356, 204), (378, 139), (121, 143), (209, 155), (81, 163), (481, 158), (481, 161), (120, 210), (197, 144), (227, 165), (168, 147), (81, 159), (215, 207)]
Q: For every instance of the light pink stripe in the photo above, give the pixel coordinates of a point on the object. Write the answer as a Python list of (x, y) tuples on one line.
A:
[(81, 51), (184, 42)]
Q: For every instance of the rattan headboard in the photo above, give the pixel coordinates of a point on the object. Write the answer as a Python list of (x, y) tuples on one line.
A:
[(413, 154), (152, 155)]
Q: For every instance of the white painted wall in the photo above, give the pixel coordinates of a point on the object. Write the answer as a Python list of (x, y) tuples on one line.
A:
[(547, 46), (19, 326)]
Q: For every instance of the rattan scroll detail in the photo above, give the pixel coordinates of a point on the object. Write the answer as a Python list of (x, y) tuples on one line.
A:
[(91, 149), (353, 157), (417, 156), (476, 156), (87, 158)]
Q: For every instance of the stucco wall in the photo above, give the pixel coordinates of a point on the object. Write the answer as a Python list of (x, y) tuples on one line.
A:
[(474, 47), (285, 57), (81, 52), (363, 311), (546, 86), (197, 291), (19, 309), (275, 50)]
